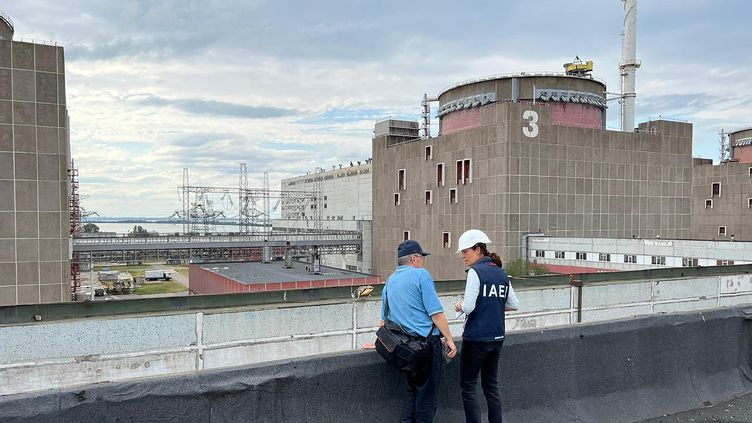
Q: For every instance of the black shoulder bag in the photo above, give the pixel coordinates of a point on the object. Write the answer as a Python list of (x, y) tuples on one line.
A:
[(409, 353)]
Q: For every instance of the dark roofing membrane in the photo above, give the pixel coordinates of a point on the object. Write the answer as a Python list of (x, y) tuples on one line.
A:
[(258, 273)]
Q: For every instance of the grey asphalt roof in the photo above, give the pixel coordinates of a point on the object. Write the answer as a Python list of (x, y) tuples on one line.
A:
[(256, 272)]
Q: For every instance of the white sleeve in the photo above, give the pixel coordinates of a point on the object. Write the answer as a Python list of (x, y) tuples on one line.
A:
[(512, 301), (472, 289)]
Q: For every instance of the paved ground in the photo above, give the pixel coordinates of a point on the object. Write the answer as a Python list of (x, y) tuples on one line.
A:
[(734, 411), (177, 277)]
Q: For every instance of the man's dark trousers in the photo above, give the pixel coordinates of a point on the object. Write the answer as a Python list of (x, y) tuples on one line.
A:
[(420, 405), (480, 357)]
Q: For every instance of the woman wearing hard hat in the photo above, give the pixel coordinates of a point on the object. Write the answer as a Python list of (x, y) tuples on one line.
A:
[(488, 293)]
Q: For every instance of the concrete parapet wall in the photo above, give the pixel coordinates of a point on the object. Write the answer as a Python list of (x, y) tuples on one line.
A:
[(72, 352), (620, 371)]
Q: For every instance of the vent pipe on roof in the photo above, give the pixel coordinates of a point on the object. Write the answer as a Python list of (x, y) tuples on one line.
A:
[(628, 66)]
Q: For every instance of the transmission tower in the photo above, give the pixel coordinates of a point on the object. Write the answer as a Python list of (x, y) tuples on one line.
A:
[(318, 204), (267, 219), (244, 200), (186, 202)]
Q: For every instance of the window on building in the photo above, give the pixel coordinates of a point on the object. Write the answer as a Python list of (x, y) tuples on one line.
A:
[(325, 198), (540, 253), (405, 235), (440, 175), (559, 254), (689, 262), (750, 172), (716, 189), (401, 182), (708, 204), (749, 203), (724, 262), (581, 256), (630, 258), (453, 196), (429, 152), (604, 257), (429, 197), (446, 239), (721, 231), (659, 260), (324, 205), (464, 171), (396, 199)]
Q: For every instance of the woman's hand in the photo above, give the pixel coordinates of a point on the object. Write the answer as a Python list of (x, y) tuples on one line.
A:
[(458, 306)]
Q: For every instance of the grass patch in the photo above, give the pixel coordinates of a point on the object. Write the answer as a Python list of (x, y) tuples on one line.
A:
[(166, 287), (182, 270)]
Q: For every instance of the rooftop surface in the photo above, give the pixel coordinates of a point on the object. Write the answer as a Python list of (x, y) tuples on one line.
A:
[(259, 273)]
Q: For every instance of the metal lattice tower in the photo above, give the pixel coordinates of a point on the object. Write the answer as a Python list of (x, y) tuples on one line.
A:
[(318, 204), (244, 200), (186, 197), (75, 228), (267, 219), (724, 147)]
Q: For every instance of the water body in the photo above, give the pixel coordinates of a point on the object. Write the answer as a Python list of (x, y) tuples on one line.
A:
[(162, 228)]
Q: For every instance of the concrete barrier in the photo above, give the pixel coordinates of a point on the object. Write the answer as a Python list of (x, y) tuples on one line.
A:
[(56, 354), (620, 371)]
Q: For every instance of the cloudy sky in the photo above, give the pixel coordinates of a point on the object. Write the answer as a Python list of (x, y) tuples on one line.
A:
[(156, 86)]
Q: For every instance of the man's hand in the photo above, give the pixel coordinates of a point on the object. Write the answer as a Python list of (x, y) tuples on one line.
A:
[(458, 306), (452, 348)]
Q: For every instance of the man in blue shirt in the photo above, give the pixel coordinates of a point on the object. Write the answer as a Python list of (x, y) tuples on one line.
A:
[(414, 304)]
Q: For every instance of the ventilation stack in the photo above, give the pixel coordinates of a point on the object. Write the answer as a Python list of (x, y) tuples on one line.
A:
[(628, 66)]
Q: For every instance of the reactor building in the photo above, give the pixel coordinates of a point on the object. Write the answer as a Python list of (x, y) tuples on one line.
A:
[(34, 183)]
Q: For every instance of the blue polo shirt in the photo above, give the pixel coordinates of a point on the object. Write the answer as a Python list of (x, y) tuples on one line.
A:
[(412, 299)]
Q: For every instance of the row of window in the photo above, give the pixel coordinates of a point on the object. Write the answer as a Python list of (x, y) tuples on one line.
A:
[(709, 203), (446, 238), (428, 197), (632, 258), (464, 174)]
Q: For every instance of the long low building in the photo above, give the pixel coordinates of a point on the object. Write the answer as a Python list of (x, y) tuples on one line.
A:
[(225, 278), (575, 255)]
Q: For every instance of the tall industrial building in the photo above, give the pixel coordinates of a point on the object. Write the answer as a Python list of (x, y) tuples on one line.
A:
[(34, 158), (346, 205), (527, 153), (722, 193)]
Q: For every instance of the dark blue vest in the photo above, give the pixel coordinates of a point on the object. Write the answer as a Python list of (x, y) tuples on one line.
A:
[(486, 322)]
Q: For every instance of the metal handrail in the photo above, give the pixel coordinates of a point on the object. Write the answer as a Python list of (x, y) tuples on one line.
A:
[(514, 75), (4, 16), (352, 236), (35, 41)]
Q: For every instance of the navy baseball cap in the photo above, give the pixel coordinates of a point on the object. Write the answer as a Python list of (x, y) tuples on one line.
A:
[(410, 247)]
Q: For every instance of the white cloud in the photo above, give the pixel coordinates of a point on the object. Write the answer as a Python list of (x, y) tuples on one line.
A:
[(154, 87)]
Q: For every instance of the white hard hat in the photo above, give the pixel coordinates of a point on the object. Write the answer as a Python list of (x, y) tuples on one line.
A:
[(470, 238)]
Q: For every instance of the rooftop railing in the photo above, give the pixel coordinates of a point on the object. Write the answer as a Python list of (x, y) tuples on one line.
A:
[(516, 75)]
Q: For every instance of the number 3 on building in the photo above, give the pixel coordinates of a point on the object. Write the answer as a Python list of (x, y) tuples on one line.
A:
[(531, 130)]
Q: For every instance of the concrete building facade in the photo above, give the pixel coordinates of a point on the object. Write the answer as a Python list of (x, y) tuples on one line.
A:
[(525, 164), (34, 158), (722, 200), (346, 199), (582, 255), (346, 194)]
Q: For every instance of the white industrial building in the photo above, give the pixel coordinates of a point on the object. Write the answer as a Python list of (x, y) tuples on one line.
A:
[(346, 205), (570, 255)]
